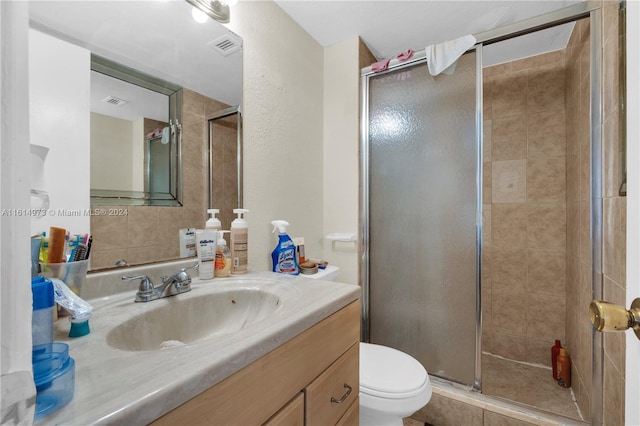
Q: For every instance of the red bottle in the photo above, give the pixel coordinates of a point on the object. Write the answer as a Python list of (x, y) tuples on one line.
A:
[(555, 350)]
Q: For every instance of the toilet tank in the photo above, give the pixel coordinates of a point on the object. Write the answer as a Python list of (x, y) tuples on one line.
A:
[(330, 273)]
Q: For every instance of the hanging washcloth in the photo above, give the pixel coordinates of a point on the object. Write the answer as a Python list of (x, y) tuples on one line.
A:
[(405, 55), (380, 65), (443, 57), (166, 134)]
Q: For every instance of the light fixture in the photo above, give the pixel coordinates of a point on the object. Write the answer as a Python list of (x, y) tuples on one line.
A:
[(213, 8), (199, 16)]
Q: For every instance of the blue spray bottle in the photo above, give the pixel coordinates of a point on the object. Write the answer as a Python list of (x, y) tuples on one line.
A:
[(284, 255)]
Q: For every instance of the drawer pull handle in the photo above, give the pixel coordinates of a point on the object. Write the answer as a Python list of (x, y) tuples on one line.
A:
[(346, 394)]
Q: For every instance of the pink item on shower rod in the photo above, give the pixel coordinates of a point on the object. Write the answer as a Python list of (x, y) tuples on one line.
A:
[(380, 65), (405, 55)]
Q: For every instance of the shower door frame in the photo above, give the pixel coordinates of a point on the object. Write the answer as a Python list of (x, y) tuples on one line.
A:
[(588, 9)]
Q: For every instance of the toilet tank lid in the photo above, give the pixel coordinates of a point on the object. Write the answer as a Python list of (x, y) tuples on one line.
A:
[(390, 373)]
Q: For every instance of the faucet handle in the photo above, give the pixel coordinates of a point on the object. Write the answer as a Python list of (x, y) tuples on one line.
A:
[(181, 278), (145, 287)]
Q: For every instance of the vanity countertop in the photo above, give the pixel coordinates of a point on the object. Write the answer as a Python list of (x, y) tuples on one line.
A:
[(114, 386)]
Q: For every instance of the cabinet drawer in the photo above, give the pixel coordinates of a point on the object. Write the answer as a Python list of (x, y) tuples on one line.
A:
[(352, 416), (331, 394), (291, 414)]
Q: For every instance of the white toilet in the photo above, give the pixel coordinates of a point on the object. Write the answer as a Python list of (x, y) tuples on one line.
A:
[(393, 384)]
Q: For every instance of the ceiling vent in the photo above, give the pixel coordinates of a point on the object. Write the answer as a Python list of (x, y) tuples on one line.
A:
[(115, 101), (226, 44)]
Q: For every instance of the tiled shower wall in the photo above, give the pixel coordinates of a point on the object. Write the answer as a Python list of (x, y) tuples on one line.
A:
[(150, 233), (524, 236), (578, 84)]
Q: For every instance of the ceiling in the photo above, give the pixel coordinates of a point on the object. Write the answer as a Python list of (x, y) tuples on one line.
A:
[(390, 27), (159, 38)]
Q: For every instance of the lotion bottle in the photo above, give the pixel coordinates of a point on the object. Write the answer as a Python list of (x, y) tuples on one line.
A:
[(239, 243), (213, 222), (223, 257)]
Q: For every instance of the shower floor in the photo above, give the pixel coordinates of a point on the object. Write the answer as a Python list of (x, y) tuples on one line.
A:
[(527, 384)]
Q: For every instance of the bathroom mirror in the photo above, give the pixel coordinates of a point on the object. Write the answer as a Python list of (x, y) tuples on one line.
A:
[(202, 62), (136, 137)]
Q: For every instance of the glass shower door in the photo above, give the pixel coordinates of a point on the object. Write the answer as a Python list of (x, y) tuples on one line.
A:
[(424, 216)]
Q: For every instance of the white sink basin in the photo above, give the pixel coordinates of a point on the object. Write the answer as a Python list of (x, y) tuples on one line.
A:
[(180, 320)]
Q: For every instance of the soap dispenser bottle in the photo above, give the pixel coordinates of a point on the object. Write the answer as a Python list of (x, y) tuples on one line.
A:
[(223, 257), (213, 222), (284, 255), (239, 243)]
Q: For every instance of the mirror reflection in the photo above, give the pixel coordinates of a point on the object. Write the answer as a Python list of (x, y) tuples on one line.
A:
[(159, 39), (135, 137)]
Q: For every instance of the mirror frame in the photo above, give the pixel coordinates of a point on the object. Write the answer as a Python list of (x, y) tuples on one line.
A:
[(174, 92)]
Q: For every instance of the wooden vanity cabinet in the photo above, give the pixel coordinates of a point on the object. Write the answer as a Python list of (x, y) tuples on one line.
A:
[(298, 378)]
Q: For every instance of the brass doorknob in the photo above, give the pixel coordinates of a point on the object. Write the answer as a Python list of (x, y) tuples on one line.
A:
[(607, 316)]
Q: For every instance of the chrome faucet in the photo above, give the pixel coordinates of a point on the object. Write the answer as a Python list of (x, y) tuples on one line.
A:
[(180, 282)]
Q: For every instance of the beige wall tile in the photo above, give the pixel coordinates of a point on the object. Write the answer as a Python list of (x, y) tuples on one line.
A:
[(612, 157), (550, 58), (546, 134), (613, 395), (508, 312), (544, 84), (486, 140), (486, 225), (509, 181), (487, 268), (512, 217), (539, 352), (546, 226), (486, 183), (109, 233), (546, 317), (546, 179), (509, 138), (615, 241), (509, 94), (584, 232), (547, 272), (508, 346), (106, 258), (142, 226), (509, 270)]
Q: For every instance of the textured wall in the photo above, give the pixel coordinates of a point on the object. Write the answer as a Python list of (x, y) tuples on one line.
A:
[(283, 119)]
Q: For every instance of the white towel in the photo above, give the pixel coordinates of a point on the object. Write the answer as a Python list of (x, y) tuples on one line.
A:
[(442, 57), (165, 136)]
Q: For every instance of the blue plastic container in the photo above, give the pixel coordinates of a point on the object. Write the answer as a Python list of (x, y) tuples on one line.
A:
[(42, 314), (54, 376)]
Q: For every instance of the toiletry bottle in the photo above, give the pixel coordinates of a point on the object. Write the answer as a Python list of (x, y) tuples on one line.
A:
[(555, 350), (564, 368), (206, 243), (300, 256), (223, 257), (239, 243), (213, 222), (284, 255)]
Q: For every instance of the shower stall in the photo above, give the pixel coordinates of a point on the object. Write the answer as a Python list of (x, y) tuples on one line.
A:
[(481, 215)]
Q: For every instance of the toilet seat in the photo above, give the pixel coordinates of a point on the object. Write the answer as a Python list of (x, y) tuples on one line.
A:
[(389, 373)]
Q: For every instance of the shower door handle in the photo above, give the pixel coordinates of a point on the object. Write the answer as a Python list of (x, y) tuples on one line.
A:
[(607, 316)]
